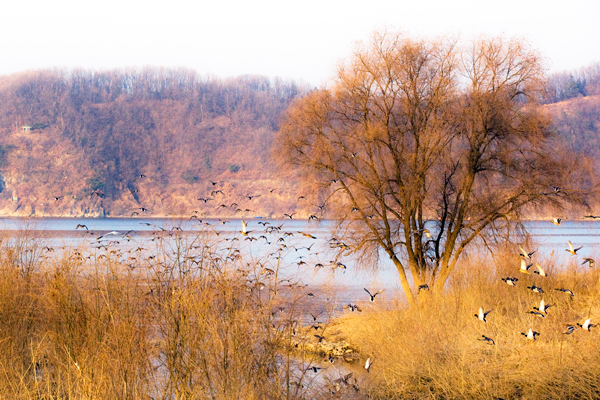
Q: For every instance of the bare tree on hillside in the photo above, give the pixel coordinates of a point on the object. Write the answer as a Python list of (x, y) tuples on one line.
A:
[(426, 147)]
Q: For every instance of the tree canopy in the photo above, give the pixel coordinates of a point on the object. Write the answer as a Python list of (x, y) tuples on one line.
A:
[(427, 146)]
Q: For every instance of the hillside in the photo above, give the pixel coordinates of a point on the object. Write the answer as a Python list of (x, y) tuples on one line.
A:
[(577, 120), (147, 142), (152, 142)]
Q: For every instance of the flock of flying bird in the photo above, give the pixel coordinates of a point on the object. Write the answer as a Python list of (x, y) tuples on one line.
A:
[(540, 311), (526, 263), (216, 190)]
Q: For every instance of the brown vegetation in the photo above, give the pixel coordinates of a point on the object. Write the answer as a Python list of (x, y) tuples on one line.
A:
[(426, 147), (191, 319), (98, 131), (436, 351), (187, 320)]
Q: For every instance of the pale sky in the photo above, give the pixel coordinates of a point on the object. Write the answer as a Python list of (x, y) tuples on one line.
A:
[(303, 41)]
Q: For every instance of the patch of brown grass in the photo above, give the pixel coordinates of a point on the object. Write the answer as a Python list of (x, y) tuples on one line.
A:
[(186, 323), (433, 351)]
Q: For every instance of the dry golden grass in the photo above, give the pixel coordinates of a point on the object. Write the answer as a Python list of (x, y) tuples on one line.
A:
[(166, 328), (432, 351), (221, 328)]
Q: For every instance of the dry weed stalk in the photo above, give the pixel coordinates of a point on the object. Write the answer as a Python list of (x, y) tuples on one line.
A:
[(189, 320)]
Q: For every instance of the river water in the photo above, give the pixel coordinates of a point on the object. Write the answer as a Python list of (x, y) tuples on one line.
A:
[(303, 255)]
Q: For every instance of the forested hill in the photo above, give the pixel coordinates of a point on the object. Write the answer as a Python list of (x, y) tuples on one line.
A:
[(149, 141), (159, 142)]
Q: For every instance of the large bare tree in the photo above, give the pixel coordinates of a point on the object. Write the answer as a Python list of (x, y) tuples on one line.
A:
[(427, 145)]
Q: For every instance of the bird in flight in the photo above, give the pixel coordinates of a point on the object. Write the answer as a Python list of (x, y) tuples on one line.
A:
[(57, 198), (245, 230), (590, 261), (556, 221), (487, 340), (543, 307), (314, 369), (526, 254), (373, 295), (587, 324), (540, 271), (368, 364), (352, 307), (481, 315), (524, 266), (565, 291), (510, 281), (573, 250), (535, 289), (531, 334), (314, 317), (308, 235), (81, 226), (539, 314), (320, 337), (570, 329)]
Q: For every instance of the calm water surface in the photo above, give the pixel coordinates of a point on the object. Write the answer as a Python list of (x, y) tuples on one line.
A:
[(62, 233)]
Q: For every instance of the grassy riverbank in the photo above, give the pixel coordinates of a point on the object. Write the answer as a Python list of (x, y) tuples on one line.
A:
[(437, 351), (187, 320), (191, 319)]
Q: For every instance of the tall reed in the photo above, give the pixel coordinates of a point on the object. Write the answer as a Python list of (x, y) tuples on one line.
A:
[(184, 319)]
